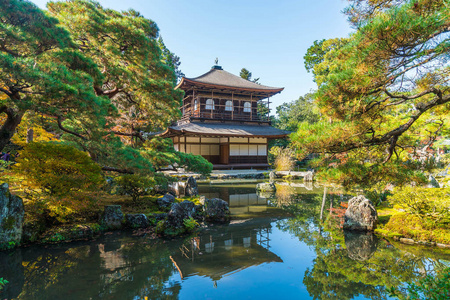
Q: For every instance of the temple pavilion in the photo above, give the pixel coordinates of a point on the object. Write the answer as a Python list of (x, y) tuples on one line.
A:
[(220, 120)]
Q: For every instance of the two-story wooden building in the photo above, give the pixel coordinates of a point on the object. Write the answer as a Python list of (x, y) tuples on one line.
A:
[(220, 120)]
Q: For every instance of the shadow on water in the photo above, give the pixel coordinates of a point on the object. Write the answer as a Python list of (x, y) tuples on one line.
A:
[(277, 246)]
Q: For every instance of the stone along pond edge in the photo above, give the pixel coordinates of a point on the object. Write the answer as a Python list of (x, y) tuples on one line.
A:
[(177, 219), (180, 218)]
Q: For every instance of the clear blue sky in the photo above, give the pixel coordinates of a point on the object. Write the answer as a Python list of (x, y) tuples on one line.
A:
[(267, 37)]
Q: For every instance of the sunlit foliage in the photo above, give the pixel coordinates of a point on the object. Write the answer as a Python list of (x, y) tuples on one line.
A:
[(383, 93)]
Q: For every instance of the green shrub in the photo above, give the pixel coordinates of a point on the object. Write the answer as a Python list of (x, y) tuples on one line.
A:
[(57, 169), (195, 163), (430, 203), (161, 153), (135, 185), (190, 224)]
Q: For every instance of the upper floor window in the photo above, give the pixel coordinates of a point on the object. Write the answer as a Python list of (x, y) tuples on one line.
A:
[(209, 104), (229, 105), (247, 107)]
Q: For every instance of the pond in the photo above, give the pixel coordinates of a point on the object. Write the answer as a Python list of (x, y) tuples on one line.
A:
[(276, 247)]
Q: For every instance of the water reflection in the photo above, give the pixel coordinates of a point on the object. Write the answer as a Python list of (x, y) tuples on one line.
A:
[(242, 199), (225, 250), (360, 245), (261, 256)]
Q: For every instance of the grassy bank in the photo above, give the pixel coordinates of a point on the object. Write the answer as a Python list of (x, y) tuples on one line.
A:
[(396, 223)]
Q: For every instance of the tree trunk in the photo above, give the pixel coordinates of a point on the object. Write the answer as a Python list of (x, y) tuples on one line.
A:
[(9, 127), (30, 135), (323, 202)]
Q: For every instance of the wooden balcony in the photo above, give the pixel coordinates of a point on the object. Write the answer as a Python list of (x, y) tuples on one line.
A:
[(222, 113)]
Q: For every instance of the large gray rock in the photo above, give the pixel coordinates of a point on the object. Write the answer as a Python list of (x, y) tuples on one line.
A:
[(177, 188), (266, 187), (360, 245), (180, 211), (216, 210), (361, 215), (137, 221), (191, 188), (166, 201), (11, 218), (112, 217)]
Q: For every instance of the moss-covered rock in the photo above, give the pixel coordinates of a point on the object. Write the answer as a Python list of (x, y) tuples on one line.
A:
[(11, 218), (112, 217), (136, 221), (216, 210)]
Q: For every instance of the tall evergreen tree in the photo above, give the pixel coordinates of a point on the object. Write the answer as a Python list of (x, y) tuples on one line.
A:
[(41, 70), (384, 93), (138, 77)]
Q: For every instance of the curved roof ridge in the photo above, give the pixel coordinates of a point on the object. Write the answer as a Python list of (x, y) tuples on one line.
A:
[(223, 78)]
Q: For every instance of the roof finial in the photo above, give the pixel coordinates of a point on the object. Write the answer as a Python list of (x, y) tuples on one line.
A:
[(216, 66)]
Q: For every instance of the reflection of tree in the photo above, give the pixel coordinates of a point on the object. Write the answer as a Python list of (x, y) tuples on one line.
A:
[(335, 275), (285, 195), (117, 269)]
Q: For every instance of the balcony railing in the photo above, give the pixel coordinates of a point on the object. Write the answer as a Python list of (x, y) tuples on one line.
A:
[(238, 113), (223, 116)]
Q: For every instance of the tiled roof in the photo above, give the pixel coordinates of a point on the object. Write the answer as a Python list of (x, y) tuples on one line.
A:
[(220, 78), (226, 129)]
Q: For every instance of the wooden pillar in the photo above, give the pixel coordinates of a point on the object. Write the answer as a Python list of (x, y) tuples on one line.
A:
[(239, 106), (192, 103), (232, 106), (251, 107)]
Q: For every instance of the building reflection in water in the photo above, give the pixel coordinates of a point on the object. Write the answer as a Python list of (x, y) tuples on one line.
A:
[(241, 201), (244, 244)]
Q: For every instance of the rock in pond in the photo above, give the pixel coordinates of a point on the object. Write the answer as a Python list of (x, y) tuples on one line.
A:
[(360, 245), (216, 210), (166, 201), (191, 188), (137, 221), (11, 218), (266, 187), (180, 211), (112, 217), (272, 176), (309, 176), (361, 215)]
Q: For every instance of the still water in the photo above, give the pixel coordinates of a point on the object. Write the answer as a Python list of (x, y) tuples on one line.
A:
[(276, 247)]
